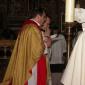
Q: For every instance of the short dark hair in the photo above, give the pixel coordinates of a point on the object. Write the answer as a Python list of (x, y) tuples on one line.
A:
[(36, 11)]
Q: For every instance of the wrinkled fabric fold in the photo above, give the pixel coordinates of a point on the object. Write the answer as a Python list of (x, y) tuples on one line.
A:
[(27, 51), (74, 73)]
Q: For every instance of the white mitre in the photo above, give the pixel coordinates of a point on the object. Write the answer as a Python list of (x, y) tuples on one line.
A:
[(80, 16)]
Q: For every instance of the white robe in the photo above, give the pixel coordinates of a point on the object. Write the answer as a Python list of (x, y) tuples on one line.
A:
[(74, 73)]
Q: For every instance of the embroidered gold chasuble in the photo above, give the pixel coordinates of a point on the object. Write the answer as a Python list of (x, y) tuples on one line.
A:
[(28, 48)]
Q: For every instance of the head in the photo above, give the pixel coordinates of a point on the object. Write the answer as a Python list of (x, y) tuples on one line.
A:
[(39, 15), (56, 29), (46, 24)]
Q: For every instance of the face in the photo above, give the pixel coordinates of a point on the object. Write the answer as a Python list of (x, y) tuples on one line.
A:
[(57, 31), (47, 23), (46, 26), (42, 19)]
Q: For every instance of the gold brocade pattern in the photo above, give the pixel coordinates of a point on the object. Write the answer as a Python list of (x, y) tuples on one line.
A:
[(28, 48)]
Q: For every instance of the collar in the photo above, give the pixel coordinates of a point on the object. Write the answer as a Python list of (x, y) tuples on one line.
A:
[(35, 22)]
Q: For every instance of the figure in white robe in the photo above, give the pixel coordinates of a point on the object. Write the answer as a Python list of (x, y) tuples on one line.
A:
[(74, 73)]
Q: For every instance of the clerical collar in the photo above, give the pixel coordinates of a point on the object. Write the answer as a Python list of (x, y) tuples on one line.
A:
[(35, 22)]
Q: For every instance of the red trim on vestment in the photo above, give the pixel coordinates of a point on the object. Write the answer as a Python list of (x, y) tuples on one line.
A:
[(26, 83), (42, 71)]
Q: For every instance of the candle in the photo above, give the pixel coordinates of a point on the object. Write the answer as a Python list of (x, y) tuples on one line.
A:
[(69, 11)]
